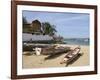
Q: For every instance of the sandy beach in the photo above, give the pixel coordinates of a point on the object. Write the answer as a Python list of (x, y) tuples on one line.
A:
[(34, 61)]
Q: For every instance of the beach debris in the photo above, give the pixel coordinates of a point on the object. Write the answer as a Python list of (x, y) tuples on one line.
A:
[(71, 55), (37, 51)]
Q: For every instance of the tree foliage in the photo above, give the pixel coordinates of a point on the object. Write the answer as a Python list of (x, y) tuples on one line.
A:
[(48, 28), (24, 20)]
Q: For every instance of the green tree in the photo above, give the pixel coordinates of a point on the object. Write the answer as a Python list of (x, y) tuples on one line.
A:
[(26, 26), (24, 20), (48, 28)]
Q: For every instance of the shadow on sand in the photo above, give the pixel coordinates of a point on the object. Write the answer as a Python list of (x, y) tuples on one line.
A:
[(54, 55)]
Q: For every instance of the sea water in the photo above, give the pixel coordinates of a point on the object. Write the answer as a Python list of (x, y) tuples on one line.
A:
[(77, 41)]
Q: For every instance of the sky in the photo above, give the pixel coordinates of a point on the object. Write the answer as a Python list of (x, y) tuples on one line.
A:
[(68, 25)]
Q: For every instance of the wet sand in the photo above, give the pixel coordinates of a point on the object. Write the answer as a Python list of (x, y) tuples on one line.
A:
[(34, 61)]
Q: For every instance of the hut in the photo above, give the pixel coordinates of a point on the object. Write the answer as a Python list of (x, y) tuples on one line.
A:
[(33, 28), (36, 27)]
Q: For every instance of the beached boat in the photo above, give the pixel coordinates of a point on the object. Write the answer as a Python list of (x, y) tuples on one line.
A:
[(71, 55), (46, 49), (54, 51)]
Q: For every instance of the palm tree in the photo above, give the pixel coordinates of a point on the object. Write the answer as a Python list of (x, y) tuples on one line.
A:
[(48, 28)]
